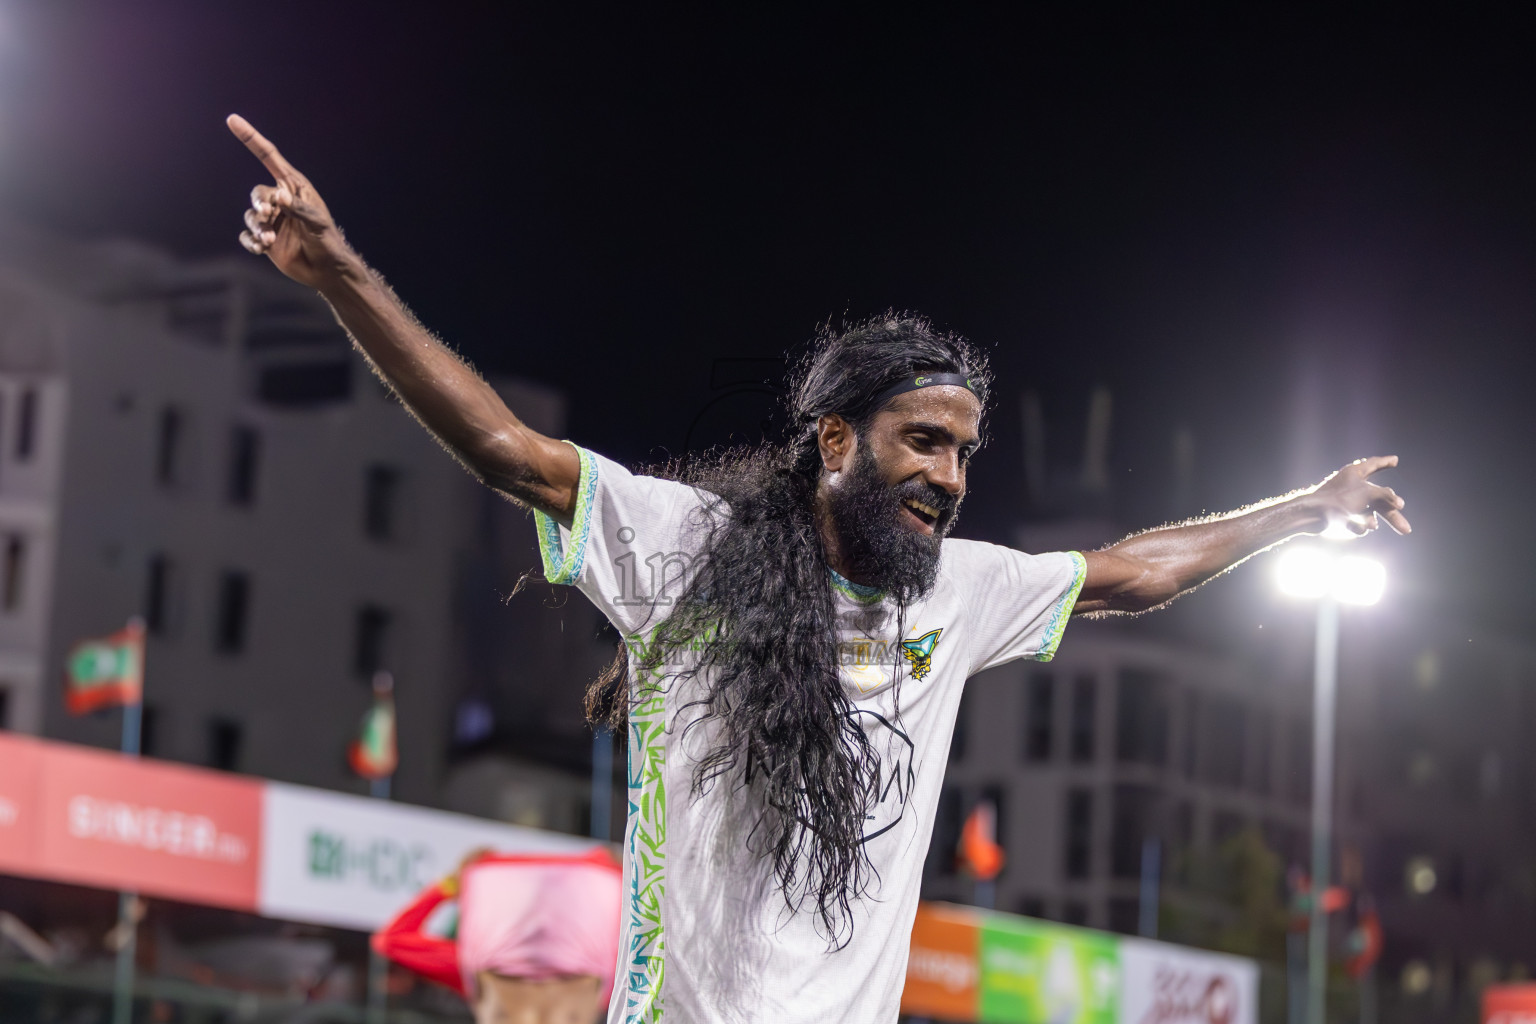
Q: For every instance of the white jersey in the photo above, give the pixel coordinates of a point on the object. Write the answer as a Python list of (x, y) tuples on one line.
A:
[(707, 935)]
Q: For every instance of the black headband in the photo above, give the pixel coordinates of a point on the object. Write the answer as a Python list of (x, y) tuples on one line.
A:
[(922, 380)]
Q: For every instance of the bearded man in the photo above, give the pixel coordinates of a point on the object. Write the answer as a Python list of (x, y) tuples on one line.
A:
[(798, 631)]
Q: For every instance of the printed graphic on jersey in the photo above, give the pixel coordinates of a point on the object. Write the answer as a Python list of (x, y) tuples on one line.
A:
[(920, 652), (897, 774), (862, 664)]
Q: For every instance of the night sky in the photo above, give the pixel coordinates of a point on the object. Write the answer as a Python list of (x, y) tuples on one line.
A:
[(1300, 236)]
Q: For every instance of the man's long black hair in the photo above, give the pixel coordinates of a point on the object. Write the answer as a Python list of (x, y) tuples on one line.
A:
[(758, 620)]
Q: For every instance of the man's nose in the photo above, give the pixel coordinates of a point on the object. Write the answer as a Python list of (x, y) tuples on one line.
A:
[(945, 473)]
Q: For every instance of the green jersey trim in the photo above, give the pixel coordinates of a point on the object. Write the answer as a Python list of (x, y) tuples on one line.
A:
[(1057, 624), (564, 566)]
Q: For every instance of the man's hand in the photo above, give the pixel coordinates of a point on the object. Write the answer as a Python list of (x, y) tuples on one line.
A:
[(1349, 500), (288, 221)]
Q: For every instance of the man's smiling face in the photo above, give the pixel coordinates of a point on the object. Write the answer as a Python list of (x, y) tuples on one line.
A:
[(893, 490), (921, 443)]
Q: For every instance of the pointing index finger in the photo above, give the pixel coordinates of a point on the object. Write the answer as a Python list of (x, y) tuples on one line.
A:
[(260, 148), (1376, 463)]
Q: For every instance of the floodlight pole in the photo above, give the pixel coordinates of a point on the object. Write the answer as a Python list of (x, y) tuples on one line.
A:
[(1325, 678)]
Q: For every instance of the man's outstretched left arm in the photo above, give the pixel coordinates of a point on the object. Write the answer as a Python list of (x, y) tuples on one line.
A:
[(1150, 569)]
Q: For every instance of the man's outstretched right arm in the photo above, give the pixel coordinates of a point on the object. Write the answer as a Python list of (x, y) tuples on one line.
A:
[(290, 224)]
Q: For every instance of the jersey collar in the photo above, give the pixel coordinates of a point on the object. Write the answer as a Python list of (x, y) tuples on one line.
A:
[(856, 591)]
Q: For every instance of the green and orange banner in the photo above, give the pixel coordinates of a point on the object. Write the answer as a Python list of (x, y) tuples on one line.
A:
[(973, 965)]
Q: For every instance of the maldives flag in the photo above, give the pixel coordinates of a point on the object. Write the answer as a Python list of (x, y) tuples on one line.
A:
[(373, 755), (105, 672)]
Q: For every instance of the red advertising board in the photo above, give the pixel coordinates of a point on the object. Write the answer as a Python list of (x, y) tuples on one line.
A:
[(97, 818), (1509, 1004), (20, 768)]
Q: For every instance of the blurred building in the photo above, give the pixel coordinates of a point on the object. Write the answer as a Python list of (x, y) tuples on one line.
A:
[(1443, 790), (196, 444), (1192, 727)]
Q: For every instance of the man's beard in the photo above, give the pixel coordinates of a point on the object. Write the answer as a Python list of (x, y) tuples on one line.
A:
[(881, 549)]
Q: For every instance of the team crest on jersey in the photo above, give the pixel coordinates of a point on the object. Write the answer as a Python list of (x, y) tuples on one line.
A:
[(920, 652)]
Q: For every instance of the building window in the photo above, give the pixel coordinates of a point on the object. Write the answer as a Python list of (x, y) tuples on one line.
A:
[(381, 503), (168, 446), (1298, 761), (304, 385), (1133, 819), (1179, 839), (26, 426), (1084, 707), (1263, 751), (1079, 849), (244, 452), (1287, 841), (1032, 906), (1224, 726), (1189, 757), (5, 706), (369, 649), (1040, 704), (233, 612), (224, 741), (1074, 912), (1141, 719), (13, 573), (157, 596)]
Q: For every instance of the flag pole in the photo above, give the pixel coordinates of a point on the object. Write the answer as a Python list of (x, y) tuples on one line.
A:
[(378, 967), (1151, 887), (128, 907)]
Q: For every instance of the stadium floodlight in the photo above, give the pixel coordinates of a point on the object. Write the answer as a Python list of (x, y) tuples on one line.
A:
[(1359, 580), (1314, 572), (1305, 572)]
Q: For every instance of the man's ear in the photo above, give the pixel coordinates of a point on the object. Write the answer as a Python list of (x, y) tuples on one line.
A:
[(835, 438)]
